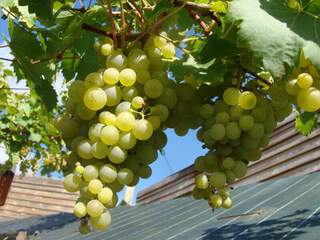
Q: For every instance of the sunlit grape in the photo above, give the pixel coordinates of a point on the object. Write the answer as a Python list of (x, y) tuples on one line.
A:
[(123, 107), (105, 195), (95, 186), (106, 49), (95, 132), (107, 118), (127, 140), (201, 181), (304, 80), (84, 149), (116, 60), (111, 76), (215, 200), (309, 99), (127, 77), (113, 94), (108, 173), (247, 100), (80, 210), (231, 96), (117, 155), (125, 121), (109, 135), (95, 208), (72, 183), (90, 172), (99, 150), (168, 50), (137, 102), (142, 129)]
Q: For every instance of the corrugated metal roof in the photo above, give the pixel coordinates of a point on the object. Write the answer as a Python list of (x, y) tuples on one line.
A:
[(288, 153), (288, 208)]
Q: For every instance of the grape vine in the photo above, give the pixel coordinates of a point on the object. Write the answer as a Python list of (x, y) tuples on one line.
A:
[(134, 69)]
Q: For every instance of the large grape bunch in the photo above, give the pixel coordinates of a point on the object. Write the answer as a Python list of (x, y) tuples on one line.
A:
[(238, 126), (113, 126), (234, 130)]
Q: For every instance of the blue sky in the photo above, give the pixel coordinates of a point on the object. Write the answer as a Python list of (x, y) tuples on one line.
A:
[(180, 152)]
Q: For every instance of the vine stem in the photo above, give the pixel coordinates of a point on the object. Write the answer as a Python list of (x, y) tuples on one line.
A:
[(93, 29), (203, 25), (255, 75), (4, 46), (8, 88), (7, 59), (123, 25), (113, 27), (138, 11)]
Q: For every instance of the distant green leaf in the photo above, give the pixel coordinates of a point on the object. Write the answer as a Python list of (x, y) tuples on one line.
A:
[(306, 122), (274, 33), (26, 109), (35, 137), (219, 6)]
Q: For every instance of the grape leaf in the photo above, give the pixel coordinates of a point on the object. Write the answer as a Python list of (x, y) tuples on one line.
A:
[(274, 33), (306, 122), (211, 73), (43, 9), (69, 64), (216, 47), (89, 63), (163, 6), (26, 41), (24, 46)]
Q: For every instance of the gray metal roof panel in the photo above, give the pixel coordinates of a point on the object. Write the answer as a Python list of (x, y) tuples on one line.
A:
[(280, 209)]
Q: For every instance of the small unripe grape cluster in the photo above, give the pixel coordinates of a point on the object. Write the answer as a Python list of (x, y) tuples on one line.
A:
[(113, 125), (307, 96), (235, 129)]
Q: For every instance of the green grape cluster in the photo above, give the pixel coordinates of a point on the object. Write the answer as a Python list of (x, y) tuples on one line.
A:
[(113, 125), (183, 115), (304, 93), (234, 129)]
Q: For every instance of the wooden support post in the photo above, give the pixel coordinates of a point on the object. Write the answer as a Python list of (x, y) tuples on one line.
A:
[(5, 184)]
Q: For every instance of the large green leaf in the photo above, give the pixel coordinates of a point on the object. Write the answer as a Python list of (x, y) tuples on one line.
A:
[(24, 47), (275, 33)]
